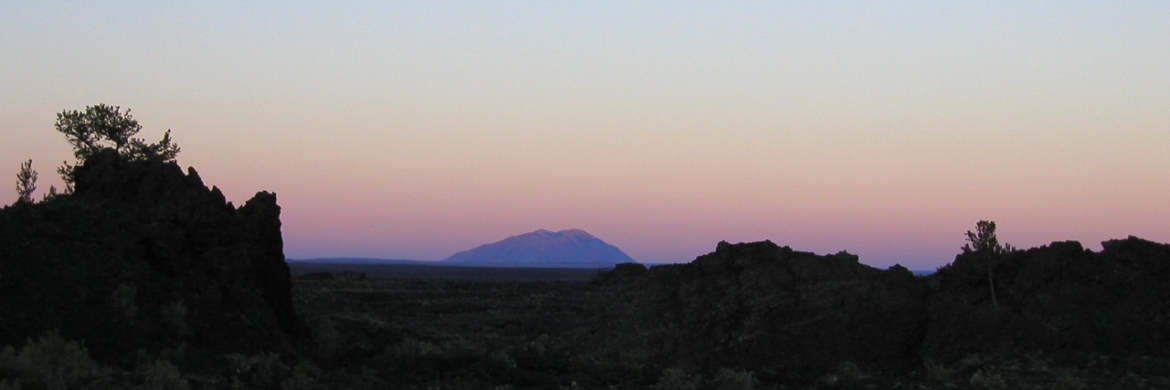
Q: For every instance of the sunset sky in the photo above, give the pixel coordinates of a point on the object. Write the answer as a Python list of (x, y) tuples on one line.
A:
[(415, 130)]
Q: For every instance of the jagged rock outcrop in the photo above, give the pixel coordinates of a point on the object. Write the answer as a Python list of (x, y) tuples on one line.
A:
[(621, 273), (786, 314), (772, 310), (143, 256), (1055, 298)]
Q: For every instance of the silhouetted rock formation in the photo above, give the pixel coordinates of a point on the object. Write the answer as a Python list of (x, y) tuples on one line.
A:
[(764, 307), (785, 314), (621, 273), (542, 248), (1059, 297), (142, 256)]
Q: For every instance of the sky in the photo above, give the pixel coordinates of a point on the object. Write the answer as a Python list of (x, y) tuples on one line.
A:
[(415, 130)]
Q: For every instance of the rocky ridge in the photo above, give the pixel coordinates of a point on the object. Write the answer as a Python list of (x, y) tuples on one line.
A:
[(787, 315), (143, 256)]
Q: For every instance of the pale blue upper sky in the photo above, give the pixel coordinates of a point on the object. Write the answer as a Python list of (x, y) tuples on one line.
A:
[(419, 129)]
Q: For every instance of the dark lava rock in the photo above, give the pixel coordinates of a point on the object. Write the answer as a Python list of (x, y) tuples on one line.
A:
[(771, 309), (1055, 298), (786, 314), (621, 273), (143, 256)]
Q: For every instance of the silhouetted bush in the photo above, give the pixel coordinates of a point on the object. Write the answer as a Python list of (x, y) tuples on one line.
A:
[(728, 379), (50, 362), (123, 299), (261, 371), (162, 375), (107, 127), (677, 379), (26, 183), (174, 316)]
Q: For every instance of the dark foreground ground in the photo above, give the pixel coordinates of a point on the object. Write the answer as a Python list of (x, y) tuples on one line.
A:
[(493, 333)]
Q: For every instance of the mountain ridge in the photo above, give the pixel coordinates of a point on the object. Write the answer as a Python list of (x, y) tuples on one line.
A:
[(570, 248)]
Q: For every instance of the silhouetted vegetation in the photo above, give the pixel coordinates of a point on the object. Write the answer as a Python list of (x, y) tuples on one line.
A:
[(26, 182), (108, 127), (984, 244)]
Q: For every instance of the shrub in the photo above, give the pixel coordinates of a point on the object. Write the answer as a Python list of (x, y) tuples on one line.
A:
[(122, 299), (829, 380), (256, 372), (938, 372), (500, 356), (412, 347), (973, 361), (302, 376), (174, 316), (10, 368), (989, 380), (676, 379), (728, 379), (162, 375), (50, 362), (326, 337), (1066, 381), (10, 384), (851, 371), (175, 353)]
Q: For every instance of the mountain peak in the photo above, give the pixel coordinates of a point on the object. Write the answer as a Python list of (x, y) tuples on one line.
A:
[(571, 248), (575, 233)]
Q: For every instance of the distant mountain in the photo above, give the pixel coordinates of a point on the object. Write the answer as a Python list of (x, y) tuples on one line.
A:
[(573, 248), (362, 261)]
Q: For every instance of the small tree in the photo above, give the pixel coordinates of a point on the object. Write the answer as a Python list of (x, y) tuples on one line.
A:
[(984, 244), (50, 195), (107, 127), (26, 182)]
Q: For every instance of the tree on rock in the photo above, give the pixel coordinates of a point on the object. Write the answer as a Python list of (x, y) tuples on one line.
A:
[(108, 127), (983, 243)]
